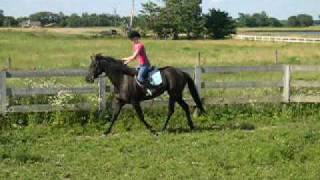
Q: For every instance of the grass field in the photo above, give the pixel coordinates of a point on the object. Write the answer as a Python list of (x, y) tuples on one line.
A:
[(43, 50), (232, 142), (247, 142)]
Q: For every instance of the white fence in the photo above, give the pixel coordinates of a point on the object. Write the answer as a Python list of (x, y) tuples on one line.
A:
[(9, 92), (276, 38), (101, 89)]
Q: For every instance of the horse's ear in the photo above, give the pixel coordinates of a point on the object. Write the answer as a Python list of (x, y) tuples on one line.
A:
[(92, 57)]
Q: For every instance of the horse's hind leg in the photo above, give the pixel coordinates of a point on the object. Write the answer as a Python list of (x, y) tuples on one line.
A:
[(139, 112), (185, 107), (170, 112), (117, 106)]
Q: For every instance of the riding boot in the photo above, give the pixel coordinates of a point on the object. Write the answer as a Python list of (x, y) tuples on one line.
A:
[(147, 88)]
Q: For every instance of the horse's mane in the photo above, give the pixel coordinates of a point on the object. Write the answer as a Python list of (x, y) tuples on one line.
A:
[(115, 64), (109, 59)]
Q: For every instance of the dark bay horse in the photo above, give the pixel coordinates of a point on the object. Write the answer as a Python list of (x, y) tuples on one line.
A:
[(129, 92)]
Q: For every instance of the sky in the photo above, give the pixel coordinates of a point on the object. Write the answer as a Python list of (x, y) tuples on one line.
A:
[(281, 9)]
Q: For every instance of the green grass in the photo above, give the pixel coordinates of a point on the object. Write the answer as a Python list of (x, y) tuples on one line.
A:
[(232, 142), (43, 50), (251, 142)]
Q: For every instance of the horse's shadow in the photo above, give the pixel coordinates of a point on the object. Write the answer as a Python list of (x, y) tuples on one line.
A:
[(214, 127), (182, 130)]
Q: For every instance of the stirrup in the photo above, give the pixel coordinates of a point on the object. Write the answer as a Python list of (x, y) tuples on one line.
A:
[(149, 92)]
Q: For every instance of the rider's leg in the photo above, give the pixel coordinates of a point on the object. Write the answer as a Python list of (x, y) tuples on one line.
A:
[(142, 74), (143, 71)]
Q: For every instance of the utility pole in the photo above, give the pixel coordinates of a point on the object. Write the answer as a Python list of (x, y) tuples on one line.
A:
[(115, 16), (132, 15)]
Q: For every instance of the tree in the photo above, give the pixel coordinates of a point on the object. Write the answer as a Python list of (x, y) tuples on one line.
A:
[(261, 19), (74, 21), (1, 17), (45, 17), (63, 19), (158, 20), (151, 14), (245, 20), (317, 22), (293, 21), (9, 21), (257, 20), (275, 22), (185, 16), (305, 20), (22, 19), (219, 24), (302, 20), (176, 17)]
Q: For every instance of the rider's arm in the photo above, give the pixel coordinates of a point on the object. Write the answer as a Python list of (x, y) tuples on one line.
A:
[(131, 58)]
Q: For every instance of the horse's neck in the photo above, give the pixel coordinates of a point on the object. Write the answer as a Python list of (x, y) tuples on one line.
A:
[(115, 77), (116, 80)]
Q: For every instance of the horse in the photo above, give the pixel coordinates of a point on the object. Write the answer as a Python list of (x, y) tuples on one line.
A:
[(130, 92)]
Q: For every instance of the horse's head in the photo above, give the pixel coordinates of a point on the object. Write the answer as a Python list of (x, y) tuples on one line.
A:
[(108, 65), (95, 68)]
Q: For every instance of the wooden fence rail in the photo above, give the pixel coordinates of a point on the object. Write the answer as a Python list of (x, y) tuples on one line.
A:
[(6, 92), (101, 89)]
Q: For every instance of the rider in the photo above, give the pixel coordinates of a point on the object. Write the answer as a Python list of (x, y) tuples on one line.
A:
[(141, 55)]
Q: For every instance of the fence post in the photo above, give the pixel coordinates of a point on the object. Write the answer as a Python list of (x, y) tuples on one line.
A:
[(102, 93), (3, 93), (197, 78), (9, 63), (199, 58), (286, 83), (277, 56)]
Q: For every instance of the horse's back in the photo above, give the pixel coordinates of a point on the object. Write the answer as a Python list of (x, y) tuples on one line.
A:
[(174, 77), (172, 70)]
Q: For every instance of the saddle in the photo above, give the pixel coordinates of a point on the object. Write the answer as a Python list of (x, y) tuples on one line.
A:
[(153, 79)]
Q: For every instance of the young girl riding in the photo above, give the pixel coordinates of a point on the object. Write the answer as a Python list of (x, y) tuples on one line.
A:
[(141, 55)]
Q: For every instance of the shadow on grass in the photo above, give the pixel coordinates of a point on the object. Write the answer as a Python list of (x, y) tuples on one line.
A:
[(215, 127)]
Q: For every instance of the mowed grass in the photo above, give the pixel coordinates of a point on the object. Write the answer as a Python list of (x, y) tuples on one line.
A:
[(45, 50), (231, 142), (253, 142)]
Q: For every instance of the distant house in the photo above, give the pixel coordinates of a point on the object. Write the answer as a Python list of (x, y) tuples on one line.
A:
[(28, 23)]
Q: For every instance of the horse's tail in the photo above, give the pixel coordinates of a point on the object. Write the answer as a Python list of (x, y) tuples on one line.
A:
[(194, 93)]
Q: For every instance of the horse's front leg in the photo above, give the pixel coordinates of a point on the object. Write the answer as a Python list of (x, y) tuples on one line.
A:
[(117, 106), (139, 112)]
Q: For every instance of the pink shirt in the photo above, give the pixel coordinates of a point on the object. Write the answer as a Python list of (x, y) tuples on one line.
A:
[(142, 55)]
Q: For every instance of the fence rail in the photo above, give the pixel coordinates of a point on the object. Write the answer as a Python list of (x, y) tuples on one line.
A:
[(101, 89), (276, 38), (10, 92)]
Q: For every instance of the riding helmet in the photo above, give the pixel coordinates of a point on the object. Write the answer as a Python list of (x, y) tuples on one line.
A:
[(134, 34)]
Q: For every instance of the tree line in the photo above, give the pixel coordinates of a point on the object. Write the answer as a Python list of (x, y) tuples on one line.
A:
[(173, 19), (62, 20)]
